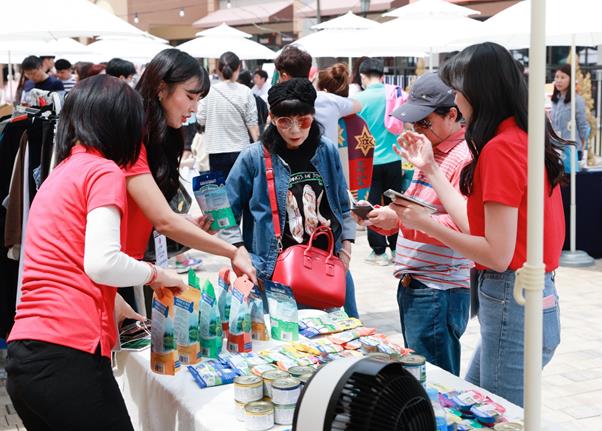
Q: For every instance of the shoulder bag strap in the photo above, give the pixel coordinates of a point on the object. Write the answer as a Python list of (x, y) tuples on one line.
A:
[(233, 104), (269, 174)]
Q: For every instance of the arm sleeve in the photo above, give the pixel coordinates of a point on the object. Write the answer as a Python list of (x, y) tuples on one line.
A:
[(581, 121), (239, 186), (104, 262), (201, 113), (503, 170), (344, 105), (251, 118), (349, 225)]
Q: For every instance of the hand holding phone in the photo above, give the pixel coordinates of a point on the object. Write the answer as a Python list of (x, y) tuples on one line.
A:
[(360, 210), (392, 194)]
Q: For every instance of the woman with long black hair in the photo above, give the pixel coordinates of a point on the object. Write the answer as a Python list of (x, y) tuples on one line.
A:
[(492, 95), (171, 87), (59, 352)]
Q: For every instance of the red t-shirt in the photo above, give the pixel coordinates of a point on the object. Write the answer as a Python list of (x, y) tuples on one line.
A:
[(139, 227), (501, 176), (60, 304)]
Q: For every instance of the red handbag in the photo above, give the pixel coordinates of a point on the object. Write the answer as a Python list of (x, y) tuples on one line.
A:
[(317, 277)]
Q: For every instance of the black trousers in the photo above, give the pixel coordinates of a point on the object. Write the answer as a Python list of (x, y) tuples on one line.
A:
[(384, 177), (222, 162), (57, 388)]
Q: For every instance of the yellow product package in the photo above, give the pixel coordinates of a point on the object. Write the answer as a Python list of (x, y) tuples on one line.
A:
[(186, 322), (164, 355)]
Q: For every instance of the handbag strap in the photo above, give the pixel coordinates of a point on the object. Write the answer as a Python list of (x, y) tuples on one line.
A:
[(269, 175), (242, 116)]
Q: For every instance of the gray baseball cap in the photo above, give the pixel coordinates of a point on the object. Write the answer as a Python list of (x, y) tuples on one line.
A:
[(427, 94)]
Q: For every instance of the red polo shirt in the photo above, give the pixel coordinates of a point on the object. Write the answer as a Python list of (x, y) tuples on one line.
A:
[(139, 227), (501, 176), (60, 304)]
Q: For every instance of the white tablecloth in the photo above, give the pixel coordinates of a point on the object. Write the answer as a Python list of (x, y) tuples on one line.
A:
[(165, 403)]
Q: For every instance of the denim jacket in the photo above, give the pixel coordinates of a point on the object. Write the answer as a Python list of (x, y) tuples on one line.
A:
[(561, 118), (248, 193)]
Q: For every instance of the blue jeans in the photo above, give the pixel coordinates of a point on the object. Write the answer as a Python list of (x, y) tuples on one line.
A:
[(498, 361), (432, 322), (350, 305)]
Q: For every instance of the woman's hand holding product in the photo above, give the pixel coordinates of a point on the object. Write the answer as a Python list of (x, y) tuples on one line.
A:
[(165, 279), (242, 264)]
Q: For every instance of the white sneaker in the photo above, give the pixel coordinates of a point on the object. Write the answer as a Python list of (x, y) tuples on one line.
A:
[(382, 259), (378, 259)]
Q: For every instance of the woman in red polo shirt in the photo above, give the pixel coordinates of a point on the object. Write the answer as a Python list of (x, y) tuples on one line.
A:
[(171, 86), (492, 95), (59, 368)]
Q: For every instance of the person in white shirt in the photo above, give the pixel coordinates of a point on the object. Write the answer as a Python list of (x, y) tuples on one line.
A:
[(229, 114), (261, 87)]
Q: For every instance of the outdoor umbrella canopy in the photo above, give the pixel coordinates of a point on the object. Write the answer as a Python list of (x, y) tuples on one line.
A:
[(349, 43), (431, 8), (20, 49), (223, 30), (215, 46), (511, 27), (54, 19), (348, 21)]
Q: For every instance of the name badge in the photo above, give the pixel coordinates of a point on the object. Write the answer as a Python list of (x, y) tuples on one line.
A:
[(160, 250)]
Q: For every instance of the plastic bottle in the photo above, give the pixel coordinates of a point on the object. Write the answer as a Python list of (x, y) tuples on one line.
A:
[(440, 415)]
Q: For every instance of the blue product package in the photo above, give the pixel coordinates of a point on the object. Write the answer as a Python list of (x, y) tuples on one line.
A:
[(210, 192)]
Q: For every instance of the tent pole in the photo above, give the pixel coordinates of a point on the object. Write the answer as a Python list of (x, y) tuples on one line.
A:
[(530, 278), (574, 257)]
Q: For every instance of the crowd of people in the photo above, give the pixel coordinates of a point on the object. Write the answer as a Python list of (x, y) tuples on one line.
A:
[(119, 149)]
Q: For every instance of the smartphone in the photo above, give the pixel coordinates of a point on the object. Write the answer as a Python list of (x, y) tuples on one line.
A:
[(361, 210), (392, 194)]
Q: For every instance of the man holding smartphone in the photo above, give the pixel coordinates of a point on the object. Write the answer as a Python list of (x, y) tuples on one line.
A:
[(434, 289)]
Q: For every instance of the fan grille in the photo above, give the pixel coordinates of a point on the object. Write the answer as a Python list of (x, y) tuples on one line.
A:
[(390, 400)]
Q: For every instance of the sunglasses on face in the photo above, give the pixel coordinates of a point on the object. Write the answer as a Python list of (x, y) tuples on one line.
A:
[(422, 124), (286, 123)]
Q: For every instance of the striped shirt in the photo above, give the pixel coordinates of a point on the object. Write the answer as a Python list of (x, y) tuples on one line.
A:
[(226, 112), (68, 84), (426, 259)]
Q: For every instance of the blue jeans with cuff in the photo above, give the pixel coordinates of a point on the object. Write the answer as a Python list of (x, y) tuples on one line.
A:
[(498, 361), (432, 322)]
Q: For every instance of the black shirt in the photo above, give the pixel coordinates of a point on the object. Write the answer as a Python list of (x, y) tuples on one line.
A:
[(307, 205)]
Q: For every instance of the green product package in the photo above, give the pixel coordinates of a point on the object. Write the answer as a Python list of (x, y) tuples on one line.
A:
[(284, 316), (211, 333), (224, 298), (210, 192)]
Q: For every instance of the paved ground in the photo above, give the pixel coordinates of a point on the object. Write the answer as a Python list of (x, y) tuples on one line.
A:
[(572, 385)]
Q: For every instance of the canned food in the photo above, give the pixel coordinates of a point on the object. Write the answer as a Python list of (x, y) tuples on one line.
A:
[(248, 388), (509, 426), (416, 365), (304, 379), (269, 377), (379, 356), (286, 391), (283, 415), (259, 416), (299, 371), (240, 410)]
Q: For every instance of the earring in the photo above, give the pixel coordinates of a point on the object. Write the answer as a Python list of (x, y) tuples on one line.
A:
[(160, 98)]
